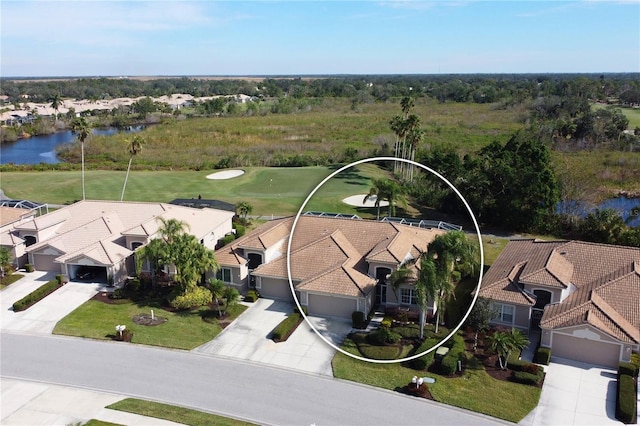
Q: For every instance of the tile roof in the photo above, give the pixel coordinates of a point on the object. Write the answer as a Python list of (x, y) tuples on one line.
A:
[(605, 281), (96, 229), (330, 255)]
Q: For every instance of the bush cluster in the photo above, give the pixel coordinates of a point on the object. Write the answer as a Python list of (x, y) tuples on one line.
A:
[(36, 295), (382, 336), (240, 230), (251, 296), (28, 267), (198, 297), (449, 363), (286, 327), (543, 356)]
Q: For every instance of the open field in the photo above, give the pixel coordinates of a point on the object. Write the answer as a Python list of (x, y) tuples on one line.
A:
[(322, 130), (271, 191)]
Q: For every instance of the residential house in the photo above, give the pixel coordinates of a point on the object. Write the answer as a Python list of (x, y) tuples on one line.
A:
[(10, 217), (338, 265), (583, 297), (103, 235)]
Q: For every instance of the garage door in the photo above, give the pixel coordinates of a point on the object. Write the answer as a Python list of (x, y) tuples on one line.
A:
[(331, 306), (44, 262), (585, 350), (275, 289)]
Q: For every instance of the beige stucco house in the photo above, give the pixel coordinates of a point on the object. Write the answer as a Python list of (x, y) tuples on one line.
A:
[(584, 297), (103, 235), (10, 218), (338, 265)]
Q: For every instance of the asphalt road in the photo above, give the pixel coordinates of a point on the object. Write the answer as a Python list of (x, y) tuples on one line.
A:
[(258, 393)]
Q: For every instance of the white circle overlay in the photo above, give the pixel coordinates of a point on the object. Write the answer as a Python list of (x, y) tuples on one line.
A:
[(293, 292), (225, 174)]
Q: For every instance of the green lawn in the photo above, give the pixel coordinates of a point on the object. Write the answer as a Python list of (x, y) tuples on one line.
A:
[(475, 390), (173, 413), (182, 330), (633, 114), (9, 279), (271, 191)]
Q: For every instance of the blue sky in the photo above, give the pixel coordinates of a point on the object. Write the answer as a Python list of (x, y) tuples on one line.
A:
[(127, 38)]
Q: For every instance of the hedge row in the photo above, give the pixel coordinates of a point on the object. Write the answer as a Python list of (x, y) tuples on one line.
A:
[(626, 406), (198, 297), (626, 401), (525, 366), (36, 295), (527, 378), (425, 361), (449, 363), (286, 327)]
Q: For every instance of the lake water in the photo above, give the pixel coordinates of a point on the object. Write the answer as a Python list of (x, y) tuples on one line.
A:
[(622, 205), (42, 148)]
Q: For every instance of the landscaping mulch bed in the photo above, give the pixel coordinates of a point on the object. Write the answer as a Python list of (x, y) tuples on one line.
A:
[(144, 319), (414, 390)]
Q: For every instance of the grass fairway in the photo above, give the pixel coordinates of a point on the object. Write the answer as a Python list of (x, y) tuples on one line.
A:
[(182, 330), (271, 191)]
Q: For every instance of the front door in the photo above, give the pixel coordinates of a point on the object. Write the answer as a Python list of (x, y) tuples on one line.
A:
[(381, 287)]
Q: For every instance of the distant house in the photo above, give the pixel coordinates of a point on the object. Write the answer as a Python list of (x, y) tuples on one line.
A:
[(338, 265), (102, 236), (584, 297)]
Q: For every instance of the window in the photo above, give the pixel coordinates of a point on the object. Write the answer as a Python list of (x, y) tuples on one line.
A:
[(407, 297), (224, 274), (505, 313)]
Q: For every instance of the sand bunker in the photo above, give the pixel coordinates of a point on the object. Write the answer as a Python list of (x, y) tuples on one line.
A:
[(226, 174), (358, 201)]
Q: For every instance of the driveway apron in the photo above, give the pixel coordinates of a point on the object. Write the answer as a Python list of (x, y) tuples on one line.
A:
[(575, 393), (248, 338), (42, 316)]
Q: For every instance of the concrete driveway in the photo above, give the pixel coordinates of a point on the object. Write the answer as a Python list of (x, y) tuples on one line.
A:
[(44, 315), (248, 338), (575, 393)]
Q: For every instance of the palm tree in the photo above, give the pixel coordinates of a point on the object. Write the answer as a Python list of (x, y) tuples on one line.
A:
[(56, 101), (379, 189), (425, 286), (134, 147), (505, 342), (452, 255), (82, 130), (245, 209), (231, 298), (217, 289), (5, 260)]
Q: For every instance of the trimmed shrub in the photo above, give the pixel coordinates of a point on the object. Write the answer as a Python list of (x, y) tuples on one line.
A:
[(449, 363), (358, 320), (286, 327), (304, 309), (28, 267), (520, 365), (626, 400), (425, 361), (251, 296), (59, 278), (527, 378), (543, 356), (198, 297), (36, 295), (627, 368)]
